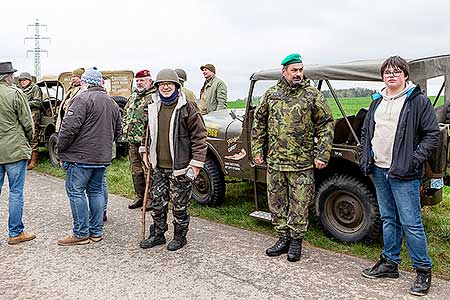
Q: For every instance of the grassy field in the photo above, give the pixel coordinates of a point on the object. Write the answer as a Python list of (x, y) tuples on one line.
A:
[(239, 203)]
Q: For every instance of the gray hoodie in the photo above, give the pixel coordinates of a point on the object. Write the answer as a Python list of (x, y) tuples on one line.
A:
[(386, 121)]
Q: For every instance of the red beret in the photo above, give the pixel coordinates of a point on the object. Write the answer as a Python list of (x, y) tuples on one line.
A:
[(143, 73)]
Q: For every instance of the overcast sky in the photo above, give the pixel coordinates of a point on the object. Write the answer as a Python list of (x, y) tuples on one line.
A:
[(238, 37)]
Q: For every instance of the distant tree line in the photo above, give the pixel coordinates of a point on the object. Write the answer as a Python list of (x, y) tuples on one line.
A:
[(350, 93)]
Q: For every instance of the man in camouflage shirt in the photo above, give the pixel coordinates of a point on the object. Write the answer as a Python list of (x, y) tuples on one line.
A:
[(133, 128), (289, 118), (34, 97)]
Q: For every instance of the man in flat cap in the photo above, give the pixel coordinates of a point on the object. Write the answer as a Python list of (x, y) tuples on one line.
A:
[(16, 132), (213, 95), (74, 89), (133, 128), (289, 118), (34, 97)]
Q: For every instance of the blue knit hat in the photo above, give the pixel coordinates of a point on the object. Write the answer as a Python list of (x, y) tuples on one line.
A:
[(92, 77)]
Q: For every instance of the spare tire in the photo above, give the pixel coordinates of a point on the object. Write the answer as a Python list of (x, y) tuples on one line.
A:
[(121, 101)]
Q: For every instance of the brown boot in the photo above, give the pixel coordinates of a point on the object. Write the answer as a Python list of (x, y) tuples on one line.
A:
[(34, 160)]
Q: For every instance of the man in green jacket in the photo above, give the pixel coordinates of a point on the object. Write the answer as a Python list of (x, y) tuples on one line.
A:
[(293, 133), (16, 132), (34, 97), (213, 95)]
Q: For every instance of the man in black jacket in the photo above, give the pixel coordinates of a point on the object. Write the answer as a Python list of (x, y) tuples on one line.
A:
[(87, 132), (399, 134)]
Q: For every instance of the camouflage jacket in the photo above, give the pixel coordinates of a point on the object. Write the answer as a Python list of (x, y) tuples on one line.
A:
[(287, 122), (135, 114), (34, 96)]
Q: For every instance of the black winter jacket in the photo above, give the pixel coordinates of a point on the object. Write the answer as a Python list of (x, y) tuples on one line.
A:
[(89, 128), (416, 137)]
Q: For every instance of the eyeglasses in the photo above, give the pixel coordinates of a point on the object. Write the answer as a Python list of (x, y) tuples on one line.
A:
[(167, 83), (395, 73)]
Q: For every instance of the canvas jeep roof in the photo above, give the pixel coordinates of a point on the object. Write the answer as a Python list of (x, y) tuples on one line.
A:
[(366, 70)]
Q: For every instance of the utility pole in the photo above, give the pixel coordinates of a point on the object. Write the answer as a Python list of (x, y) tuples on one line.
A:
[(37, 48)]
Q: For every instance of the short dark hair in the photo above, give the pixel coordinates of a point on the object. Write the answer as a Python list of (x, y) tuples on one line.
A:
[(396, 62)]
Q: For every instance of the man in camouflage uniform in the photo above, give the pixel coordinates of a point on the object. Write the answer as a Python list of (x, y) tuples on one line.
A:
[(175, 149), (289, 117), (34, 97), (74, 89), (135, 113)]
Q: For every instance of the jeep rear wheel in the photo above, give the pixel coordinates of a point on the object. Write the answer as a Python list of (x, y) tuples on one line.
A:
[(53, 150), (209, 186), (347, 209)]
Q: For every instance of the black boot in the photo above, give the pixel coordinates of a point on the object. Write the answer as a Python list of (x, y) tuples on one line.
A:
[(136, 204), (295, 250), (155, 238), (383, 268), (422, 283), (179, 238), (281, 246)]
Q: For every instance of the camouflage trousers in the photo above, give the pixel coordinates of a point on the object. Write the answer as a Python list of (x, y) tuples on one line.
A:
[(137, 170), (36, 115), (166, 187), (290, 195)]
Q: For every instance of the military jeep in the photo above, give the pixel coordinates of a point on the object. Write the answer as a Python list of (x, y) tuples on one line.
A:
[(345, 202), (118, 84)]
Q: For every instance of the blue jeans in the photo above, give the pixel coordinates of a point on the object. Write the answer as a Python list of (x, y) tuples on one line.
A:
[(105, 189), (16, 177), (87, 214), (399, 203)]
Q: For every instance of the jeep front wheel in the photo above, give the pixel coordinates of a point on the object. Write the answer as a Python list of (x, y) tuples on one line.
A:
[(347, 209), (209, 186), (53, 150)]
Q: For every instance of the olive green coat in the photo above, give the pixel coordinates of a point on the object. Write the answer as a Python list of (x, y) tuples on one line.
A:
[(16, 125)]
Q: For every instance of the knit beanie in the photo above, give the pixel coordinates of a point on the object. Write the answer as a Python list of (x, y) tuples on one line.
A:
[(92, 77)]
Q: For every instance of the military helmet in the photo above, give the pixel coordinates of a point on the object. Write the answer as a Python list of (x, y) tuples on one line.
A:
[(167, 75), (25, 75), (181, 74)]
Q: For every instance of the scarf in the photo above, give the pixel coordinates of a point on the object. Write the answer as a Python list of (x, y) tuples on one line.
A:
[(169, 100)]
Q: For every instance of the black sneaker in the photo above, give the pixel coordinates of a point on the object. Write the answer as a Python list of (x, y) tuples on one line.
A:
[(281, 246), (382, 269), (422, 283)]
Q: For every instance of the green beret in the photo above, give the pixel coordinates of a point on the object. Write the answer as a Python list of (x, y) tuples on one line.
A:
[(291, 59)]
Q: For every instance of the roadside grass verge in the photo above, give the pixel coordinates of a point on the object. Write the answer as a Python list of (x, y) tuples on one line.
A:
[(239, 203)]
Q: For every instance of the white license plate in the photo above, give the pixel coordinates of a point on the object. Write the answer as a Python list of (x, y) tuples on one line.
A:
[(437, 183)]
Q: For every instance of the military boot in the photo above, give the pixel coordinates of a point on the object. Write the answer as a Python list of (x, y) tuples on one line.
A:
[(155, 238), (136, 204), (295, 250), (179, 238), (281, 246), (383, 268), (422, 283), (34, 160)]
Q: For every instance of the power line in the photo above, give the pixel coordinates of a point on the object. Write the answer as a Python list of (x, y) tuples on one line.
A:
[(37, 49)]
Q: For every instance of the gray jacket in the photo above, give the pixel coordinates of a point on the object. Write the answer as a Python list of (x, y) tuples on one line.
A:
[(89, 128)]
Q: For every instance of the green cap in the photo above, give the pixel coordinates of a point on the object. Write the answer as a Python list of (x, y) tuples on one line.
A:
[(291, 59)]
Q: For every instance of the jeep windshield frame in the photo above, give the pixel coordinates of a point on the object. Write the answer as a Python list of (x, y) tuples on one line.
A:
[(421, 70)]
